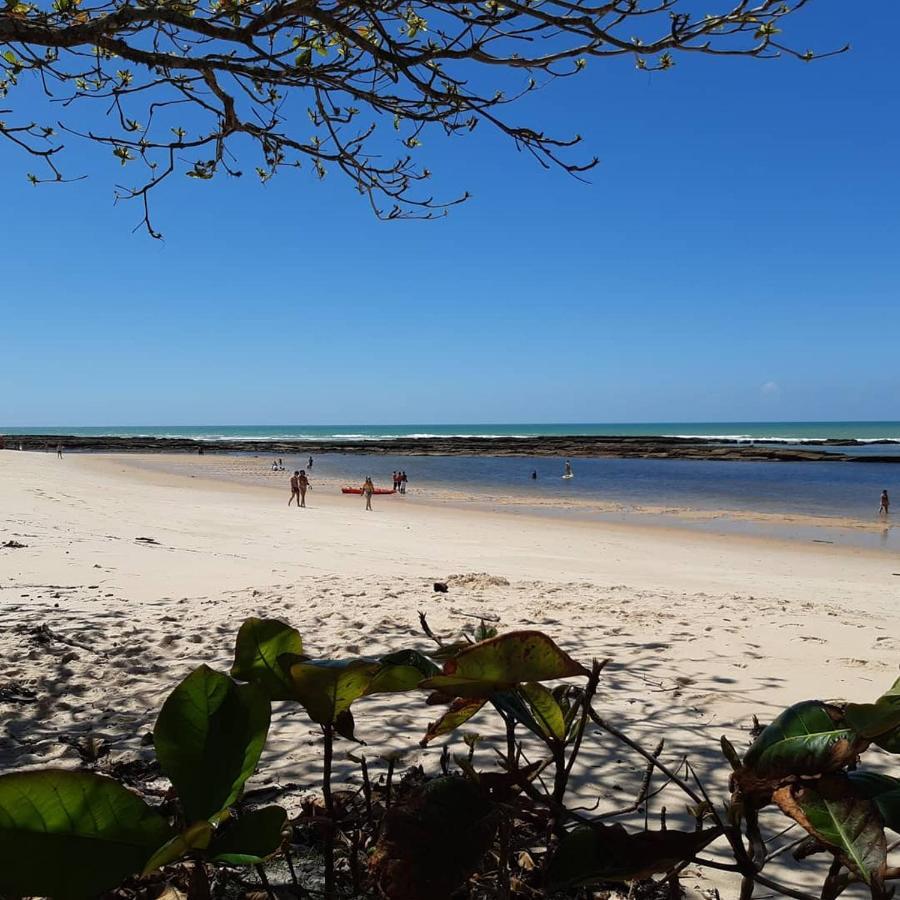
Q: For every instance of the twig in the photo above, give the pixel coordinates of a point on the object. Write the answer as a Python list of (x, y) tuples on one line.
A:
[(606, 726)]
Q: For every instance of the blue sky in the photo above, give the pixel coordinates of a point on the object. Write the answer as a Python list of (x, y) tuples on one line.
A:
[(736, 256)]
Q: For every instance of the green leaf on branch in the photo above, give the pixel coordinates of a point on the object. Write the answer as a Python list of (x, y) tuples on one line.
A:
[(461, 710), (884, 790), (809, 738), (259, 644), (411, 658), (250, 839), (872, 720), (502, 663), (889, 741), (208, 738), (72, 834), (401, 671), (841, 819), (591, 854), (545, 709), (326, 688), (196, 837)]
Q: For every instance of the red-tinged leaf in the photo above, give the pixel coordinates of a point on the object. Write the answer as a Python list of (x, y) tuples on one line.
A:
[(461, 710), (503, 662)]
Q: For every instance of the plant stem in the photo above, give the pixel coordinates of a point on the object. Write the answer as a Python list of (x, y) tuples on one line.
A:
[(367, 789), (606, 726), (328, 731), (298, 888), (354, 860), (503, 864), (390, 781), (265, 882), (510, 741)]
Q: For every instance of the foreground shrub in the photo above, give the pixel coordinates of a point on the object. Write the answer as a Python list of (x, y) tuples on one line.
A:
[(509, 830)]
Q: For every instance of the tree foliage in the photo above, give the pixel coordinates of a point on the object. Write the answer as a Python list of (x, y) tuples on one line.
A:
[(198, 85)]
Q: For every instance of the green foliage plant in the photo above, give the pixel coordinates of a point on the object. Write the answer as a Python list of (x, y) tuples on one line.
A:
[(507, 830)]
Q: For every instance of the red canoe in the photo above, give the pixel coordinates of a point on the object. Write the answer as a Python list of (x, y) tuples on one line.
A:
[(359, 490)]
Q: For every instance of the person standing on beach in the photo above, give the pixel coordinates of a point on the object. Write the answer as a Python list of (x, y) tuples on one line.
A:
[(59, 450), (303, 483), (885, 504), (403, 481), (295, 488), (396, 480), (368, 490)]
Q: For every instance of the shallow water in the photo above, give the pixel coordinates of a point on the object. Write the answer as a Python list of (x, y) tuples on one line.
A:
[(838, 489)]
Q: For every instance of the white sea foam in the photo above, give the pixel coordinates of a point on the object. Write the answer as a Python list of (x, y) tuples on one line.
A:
[(778, 439)]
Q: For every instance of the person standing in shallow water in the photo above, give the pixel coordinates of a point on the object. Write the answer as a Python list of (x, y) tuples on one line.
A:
[(885, 507), (368, 490)]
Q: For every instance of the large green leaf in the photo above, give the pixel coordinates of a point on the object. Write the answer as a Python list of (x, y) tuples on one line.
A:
[(884, 790), (511, 705), (591, 854), (326, 688), (259, 644), (197, 836), (501, 663), (874, 719), (889, 741), (837, 816), (545, 709), (411, 658), (208, 738), (809, 738), (461, 710), (250, 839), (401, 671), (72, 834)]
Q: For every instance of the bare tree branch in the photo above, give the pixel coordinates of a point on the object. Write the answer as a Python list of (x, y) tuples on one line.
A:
[(374, 78)]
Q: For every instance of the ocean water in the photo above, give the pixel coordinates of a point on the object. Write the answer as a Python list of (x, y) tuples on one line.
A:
[(838, 489), (784, 432)]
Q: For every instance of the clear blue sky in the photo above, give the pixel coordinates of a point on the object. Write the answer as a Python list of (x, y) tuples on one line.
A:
[(736, 257)]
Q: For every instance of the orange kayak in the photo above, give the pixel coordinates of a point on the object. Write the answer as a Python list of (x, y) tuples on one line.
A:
[(359, 490)]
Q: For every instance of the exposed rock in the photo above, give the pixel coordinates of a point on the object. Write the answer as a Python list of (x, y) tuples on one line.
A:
[(574, 446)]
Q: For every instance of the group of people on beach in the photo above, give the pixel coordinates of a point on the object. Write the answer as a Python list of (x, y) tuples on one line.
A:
[(400, 482)]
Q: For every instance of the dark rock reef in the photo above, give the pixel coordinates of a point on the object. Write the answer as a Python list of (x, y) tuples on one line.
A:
[(622, 446)]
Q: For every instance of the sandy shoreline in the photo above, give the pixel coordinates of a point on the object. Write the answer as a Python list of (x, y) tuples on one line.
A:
[(253, 469), (703, 630)]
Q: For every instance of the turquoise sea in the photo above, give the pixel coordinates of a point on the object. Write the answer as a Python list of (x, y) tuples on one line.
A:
[(783, 432)]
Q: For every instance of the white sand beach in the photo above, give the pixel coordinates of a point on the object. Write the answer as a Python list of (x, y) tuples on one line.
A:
[(703, 631)]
